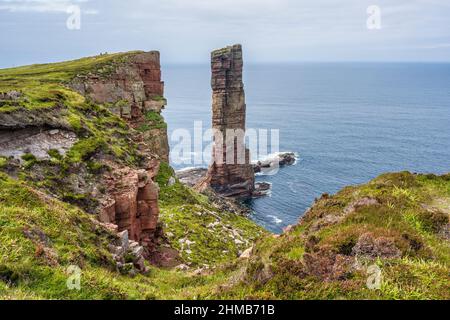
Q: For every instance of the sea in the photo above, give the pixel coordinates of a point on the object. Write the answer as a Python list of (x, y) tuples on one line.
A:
[(347, 123)]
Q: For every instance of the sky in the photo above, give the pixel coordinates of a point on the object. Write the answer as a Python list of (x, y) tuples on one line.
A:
[(185, 31)]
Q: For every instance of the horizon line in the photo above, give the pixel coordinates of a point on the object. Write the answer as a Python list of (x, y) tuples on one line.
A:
[(197, 63)]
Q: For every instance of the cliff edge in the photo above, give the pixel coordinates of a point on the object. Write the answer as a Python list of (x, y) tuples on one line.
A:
[(90, 132)]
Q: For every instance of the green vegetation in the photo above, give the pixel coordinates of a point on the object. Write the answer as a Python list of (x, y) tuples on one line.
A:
[(28, 157), (53, 153), (42, 84), (201, 232), (84, 149), (29, 160), (41, 237), (159, 98), (316, 260), (155, 121), (3, 162)]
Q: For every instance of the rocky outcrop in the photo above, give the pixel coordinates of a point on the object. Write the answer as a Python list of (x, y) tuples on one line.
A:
[(130, 85), (128, 255), (21, 118), (132, 205), (35, 141), (191, 176), (10, 96), (374, 247), (230, 175), (134, 90), (272, 163)]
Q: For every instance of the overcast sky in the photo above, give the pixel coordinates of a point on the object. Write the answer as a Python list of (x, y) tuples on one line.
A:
[(185, 31)]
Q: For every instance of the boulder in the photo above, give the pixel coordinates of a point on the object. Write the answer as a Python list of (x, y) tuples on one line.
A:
[(373, 247), (246, 254), (123, 239)]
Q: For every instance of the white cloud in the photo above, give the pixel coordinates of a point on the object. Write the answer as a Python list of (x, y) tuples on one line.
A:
[(270, 30), (436, 46), (42, 6)]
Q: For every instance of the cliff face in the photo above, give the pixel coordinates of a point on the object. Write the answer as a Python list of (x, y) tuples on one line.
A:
[(136, 80), (134, 90), (91, 134), (231, 173)]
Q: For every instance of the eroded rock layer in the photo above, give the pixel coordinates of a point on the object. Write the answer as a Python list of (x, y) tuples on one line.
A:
[(133, 89), (133, 205), (131, 85), (36, 141)]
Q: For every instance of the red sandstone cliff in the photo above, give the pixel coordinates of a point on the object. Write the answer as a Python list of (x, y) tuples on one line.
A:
[(133, 88)]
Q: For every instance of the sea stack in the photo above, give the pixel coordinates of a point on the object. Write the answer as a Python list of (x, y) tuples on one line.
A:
[(230, 173)]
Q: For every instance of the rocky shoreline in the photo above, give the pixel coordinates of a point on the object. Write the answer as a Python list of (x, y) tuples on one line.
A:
[(191, 177), (274, 162)]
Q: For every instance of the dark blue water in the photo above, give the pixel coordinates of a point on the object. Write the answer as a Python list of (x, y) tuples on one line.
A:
[(348, 122)]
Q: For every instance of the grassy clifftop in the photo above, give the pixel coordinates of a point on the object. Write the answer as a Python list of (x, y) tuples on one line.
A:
[(392, 233), (40, 238), (45, 100), (43, 84), (397, 222)]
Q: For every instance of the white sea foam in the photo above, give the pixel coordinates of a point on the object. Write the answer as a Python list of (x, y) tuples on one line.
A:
[(275, 219), (188, 169), (273, 156)]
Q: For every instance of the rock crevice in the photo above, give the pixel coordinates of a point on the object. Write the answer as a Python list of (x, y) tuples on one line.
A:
[(133, 205)]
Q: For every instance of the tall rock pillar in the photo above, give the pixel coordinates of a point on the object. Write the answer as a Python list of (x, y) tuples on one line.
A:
[(230, 173)]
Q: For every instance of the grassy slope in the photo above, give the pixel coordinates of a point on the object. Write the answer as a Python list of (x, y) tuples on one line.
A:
[(28, 271), (215, 235), (411, 211), (34, 269)]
